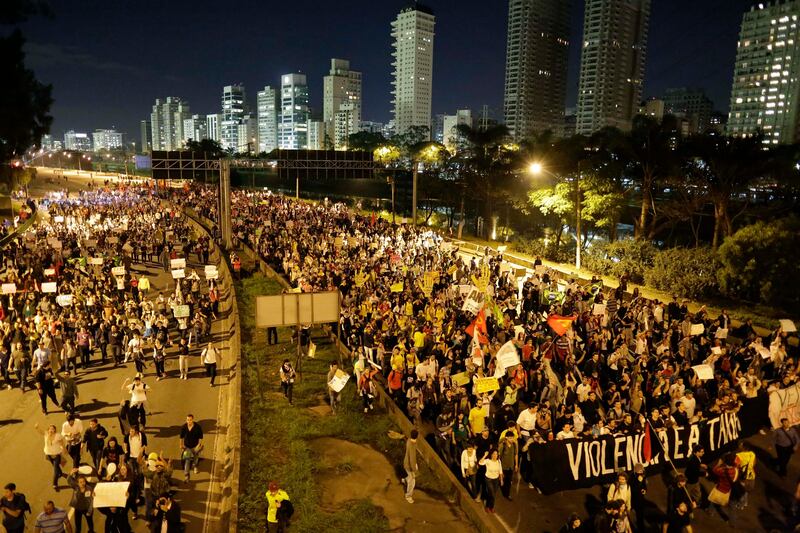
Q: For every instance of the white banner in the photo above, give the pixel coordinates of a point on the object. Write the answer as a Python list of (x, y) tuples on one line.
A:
[(784, 403)]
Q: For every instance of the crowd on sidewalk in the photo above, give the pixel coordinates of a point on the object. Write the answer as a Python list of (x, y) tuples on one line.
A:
[(77, 299), (431, 323)]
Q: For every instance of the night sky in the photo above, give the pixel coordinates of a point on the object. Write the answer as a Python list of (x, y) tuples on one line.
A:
[(108, 61)]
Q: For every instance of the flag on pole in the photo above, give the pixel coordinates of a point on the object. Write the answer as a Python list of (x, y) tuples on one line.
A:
[(647, 448), (479, 325), (560, 324)]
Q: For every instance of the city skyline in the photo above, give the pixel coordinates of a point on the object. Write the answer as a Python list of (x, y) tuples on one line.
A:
[(114, 86)]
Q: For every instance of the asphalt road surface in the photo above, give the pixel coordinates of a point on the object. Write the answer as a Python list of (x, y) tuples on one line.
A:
[(99, 387)]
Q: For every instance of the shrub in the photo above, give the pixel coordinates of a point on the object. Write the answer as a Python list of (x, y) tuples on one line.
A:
[(761, 262), (616, 258), (690, 273), (536, 247)]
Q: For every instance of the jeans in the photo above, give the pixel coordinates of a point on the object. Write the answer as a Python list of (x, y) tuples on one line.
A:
[(784, 455), (491, 490), (22, 376), (211, 370), (160, 368), (68, 403), (411, 482), (287, 389), (56, 462), (44, 393), (89, 521), (508, 473), (74, 451), (85, 356), (190, 460), (183, 364)]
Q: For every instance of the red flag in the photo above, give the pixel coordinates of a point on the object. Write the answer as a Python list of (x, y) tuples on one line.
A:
[(560, 324), (372, 219), (647, 451), (479, 325)]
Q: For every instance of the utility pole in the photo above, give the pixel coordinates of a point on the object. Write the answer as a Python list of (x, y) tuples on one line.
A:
[(414, 172), (578, 217), (225, 202)]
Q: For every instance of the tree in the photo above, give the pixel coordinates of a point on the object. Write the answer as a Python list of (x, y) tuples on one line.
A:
[(365, 141), (24, 101), (212, 149), (414, 136), (488, 164), (724, 167)]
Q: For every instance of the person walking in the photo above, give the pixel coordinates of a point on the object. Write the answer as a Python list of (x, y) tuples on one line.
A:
[(166, 516), (191, 444), (95, 440), (410, 465), (695, 470), (277, 505), (287, 379), (82, 499), (46, 385), (13, 506), (52, 520), (726, 475), (494, 477), (53, 450), (69, 391), (183, 358), (509, 459), (786, 441), (332, 393), (210, 358), (469, 470), (21, 363), (72, 431)]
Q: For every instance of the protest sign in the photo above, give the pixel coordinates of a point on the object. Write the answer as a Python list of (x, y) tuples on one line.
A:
[(788, 325), (110, 494), (697, 329), (55, 244), (540, 269), (9, 288), (463, 290), (181, 311), (784, 403), (178, 274), (339, 380), (58, 219), (396, 287), (211, 272), (176, 264), (584, 463), (599, 309), (502, 249), (64, 300), (507, 355), (520, 272), (118, 271), (452, 270), (112, 239), (763, 351), (722, 333), (49, 272), (704, 372), (90, 243), (51, 286), (716, 350), (486, 385), (474, 301), (96, 261), (312, 350), (460, 379)]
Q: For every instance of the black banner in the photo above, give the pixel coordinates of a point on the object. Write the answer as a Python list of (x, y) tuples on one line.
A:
[(582, 463)]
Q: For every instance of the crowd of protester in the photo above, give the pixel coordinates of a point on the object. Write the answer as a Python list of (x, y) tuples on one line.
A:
[(78, 299), (622, 363)]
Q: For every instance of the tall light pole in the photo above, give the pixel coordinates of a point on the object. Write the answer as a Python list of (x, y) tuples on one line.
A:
[(537, 168)]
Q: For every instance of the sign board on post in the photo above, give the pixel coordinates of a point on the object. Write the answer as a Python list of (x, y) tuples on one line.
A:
[(181, 311), (118, 271), (95, 261), (211, 272), (297, 308)]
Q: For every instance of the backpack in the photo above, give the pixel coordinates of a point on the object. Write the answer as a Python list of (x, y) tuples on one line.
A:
[(286, 510)]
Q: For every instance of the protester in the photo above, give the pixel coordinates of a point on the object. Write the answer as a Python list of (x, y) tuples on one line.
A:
[(166, 516), (54, 451), (726, 475), (210, 358), (277, 499), (191, 445), (493, 475), (82, 499), (786, 442), (410, 465), (287, 375), (14, 506), (53, 520)]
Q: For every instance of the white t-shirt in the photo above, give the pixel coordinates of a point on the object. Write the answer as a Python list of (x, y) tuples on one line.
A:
[(138, 393), (527, 420), (74, 432), (209, 356)]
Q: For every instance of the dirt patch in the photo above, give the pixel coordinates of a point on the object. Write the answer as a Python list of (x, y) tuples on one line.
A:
[(351, 471)]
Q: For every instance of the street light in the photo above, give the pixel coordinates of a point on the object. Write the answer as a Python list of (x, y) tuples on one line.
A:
[(536, 168)]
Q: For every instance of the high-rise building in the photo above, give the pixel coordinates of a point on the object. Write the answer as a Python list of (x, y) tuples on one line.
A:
[(293, 125), (612, 63), (46, 143), (213, 122), (166, 123), (452, 139), (766, 79), (412, 32), (316, 135), (372, 127), (537, 49), (106, 140), (234, 109), (437, 128), (653, 108), (248, 135), (80, 142), (691, 104), (195, 128), (341, 93), (146, 136), (268, 109)]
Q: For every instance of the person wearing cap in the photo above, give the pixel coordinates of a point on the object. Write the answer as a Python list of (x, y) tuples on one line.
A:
[(13, 507), (82, 498), (275, 496)]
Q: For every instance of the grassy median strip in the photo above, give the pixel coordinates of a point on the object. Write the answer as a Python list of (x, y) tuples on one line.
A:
[(276, 436)]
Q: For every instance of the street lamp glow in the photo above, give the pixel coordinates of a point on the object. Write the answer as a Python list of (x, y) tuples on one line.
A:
[(535, 168)]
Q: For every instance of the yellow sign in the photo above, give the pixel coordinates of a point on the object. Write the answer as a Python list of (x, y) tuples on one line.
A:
[(486, 385), (482, 281), (452, 269), (460, 379), (396, 287), (337, 243), (312, 350), (360, 278)]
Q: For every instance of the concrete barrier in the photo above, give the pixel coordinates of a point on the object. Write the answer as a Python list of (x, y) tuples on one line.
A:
[(222, 511)]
